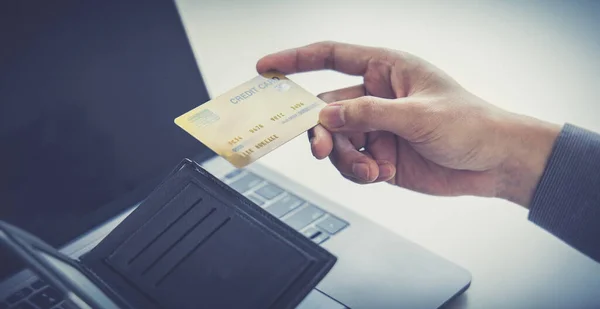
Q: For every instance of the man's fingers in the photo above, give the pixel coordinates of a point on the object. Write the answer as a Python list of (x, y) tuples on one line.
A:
[(321, 143), (355, 180), (352, 92), (351, 162), (367, 114), (383, 148), (341, 57), (320, 139)]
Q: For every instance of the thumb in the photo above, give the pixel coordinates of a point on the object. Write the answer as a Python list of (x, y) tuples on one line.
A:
[(366, 114)]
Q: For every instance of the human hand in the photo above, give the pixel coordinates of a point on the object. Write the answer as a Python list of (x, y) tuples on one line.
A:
[(413, 126)]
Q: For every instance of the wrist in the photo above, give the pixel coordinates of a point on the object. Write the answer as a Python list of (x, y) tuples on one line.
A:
[(529, 143)]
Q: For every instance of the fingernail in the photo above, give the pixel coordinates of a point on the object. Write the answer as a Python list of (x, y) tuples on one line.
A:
[(332, 117), (386, 170), (361, 170)]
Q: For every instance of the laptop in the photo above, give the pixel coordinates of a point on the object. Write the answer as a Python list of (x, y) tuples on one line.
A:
[(88, 94)]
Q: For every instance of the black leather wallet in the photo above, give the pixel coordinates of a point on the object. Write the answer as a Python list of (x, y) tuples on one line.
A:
[(192, 243)]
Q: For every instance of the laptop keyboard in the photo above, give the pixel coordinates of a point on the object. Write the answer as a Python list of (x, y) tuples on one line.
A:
[(312, 221), (36, 296)]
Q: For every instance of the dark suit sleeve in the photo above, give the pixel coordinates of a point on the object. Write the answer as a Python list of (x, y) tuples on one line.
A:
[(566, 202)]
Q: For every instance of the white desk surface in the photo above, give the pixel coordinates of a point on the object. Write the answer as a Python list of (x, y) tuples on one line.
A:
[(533, 57)]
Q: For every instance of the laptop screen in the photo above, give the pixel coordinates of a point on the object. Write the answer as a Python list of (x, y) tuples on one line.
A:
[(88, 94)]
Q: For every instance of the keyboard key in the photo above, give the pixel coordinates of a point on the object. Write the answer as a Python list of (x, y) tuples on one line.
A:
[(246, 183), (19, 295), (23, 305), (310, 232), (284, 205), (233, 173), (269, 191), (46, 298), (255, 199), (304, 217), (38, 284), (332, 224), (319, 239)]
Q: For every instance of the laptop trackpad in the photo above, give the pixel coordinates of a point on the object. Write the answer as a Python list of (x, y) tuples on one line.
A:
[(379, 269)]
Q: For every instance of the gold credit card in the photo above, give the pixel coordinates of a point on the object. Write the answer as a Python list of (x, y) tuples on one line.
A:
[(254, 118)]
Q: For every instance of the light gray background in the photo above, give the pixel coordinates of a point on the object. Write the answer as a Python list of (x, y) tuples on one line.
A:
[(534, 57)]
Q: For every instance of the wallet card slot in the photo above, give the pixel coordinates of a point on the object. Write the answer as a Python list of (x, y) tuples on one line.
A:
[(179, 256), (159, 224), (158, 257), (169, 240), (160, 233)]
